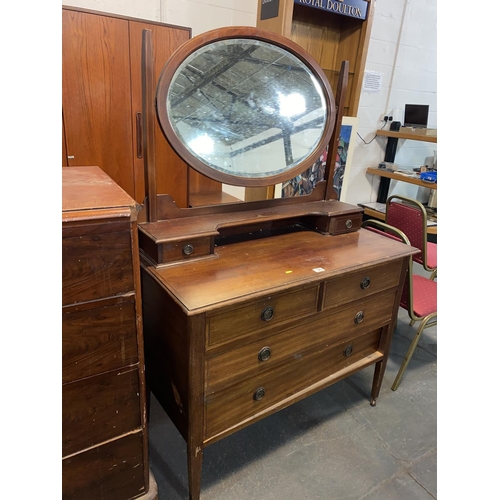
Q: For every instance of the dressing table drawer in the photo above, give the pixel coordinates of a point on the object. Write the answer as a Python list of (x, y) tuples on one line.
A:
[(292, 344), (261, 314), (253, 396), (361, 284), (345, 224), (184, 250)]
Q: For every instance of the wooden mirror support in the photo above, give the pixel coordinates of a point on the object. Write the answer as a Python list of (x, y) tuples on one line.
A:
[(232, 292)]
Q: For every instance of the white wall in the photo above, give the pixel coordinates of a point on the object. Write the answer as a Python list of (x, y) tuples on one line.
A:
[(402, 47), (199, 15)]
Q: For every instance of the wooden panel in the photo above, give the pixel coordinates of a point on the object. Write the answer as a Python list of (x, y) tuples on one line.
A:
[(89, 189), (171, 170), (167, 350), (238, 321), (237, 403), (96, 266), (64, 151), (348, 287), (98, 340), (293, 344), (319, 33), (112, 471), (96, 94), (199, 184), (100, 408)]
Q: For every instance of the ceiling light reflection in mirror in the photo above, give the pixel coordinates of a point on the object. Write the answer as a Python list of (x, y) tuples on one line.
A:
[(246, 107)]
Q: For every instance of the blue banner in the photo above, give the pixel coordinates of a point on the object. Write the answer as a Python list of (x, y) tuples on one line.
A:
[(351, 8)]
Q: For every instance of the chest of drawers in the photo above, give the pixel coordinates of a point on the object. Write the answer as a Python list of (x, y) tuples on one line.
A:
[(232, 339), (104, 435)]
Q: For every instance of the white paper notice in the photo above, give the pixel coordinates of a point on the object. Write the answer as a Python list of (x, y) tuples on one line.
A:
[(372, 81)]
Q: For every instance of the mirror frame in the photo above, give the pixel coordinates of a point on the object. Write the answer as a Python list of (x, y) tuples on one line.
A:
[(238, 32)]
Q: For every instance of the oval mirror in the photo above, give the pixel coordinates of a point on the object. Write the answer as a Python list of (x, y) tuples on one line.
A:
[(245, 107)]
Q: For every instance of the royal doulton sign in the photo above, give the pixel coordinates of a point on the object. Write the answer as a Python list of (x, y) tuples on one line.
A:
[(351, 8)]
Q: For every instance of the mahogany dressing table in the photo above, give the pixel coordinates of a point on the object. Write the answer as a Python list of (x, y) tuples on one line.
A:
[(250, 307)]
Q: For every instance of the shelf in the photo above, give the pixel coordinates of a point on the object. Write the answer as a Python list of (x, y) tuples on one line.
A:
[(414, 134), (401, 177)]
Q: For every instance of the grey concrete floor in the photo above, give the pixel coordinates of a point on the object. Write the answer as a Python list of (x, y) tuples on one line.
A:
[(331, 445)]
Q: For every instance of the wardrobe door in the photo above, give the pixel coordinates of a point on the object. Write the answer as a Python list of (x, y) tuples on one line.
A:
[(96, 94), (171, 170)]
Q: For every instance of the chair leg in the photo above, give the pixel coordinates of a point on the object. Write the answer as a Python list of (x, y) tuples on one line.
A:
[(434, 274), (410, 351)]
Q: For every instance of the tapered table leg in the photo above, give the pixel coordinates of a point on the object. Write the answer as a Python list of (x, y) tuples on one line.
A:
[(195, 461), (377, 380)]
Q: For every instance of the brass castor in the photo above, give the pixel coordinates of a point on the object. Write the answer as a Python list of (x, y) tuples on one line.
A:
[(373, 402)]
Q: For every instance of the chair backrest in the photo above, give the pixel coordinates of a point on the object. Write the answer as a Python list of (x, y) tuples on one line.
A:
[(409, 216), (394, 233)]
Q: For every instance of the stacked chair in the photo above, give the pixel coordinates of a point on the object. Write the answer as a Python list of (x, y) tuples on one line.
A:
[(419, 296), (410, 217)]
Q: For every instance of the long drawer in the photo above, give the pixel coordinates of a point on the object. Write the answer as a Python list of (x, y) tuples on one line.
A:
[(111, 471), (255, 395), (99, 408), (98, 339), (291, 345), (361, 284), (96, 265), (261, 314)]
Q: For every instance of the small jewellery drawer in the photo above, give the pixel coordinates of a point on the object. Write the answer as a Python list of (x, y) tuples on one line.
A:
[(245, 400), (99, 408), (261, 314), (98, 339), (291, 345), (182, 250), (346, 224), (95, 266), (361, 284)]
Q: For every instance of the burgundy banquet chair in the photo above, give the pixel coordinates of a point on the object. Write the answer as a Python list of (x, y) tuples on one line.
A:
[(410, 217), (419, 296)]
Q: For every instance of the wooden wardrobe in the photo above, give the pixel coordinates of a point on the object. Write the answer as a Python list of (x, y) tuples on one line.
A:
[(102, 98)]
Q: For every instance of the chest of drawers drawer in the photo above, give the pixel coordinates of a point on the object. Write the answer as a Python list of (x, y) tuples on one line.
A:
[(268, 312), (100, 408), (98, 339), (117, 467), (96, 265), (360, 284), (255, 395), (314, 333)]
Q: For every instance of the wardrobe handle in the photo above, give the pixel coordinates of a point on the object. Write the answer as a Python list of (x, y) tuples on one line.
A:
[(138, 126)]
